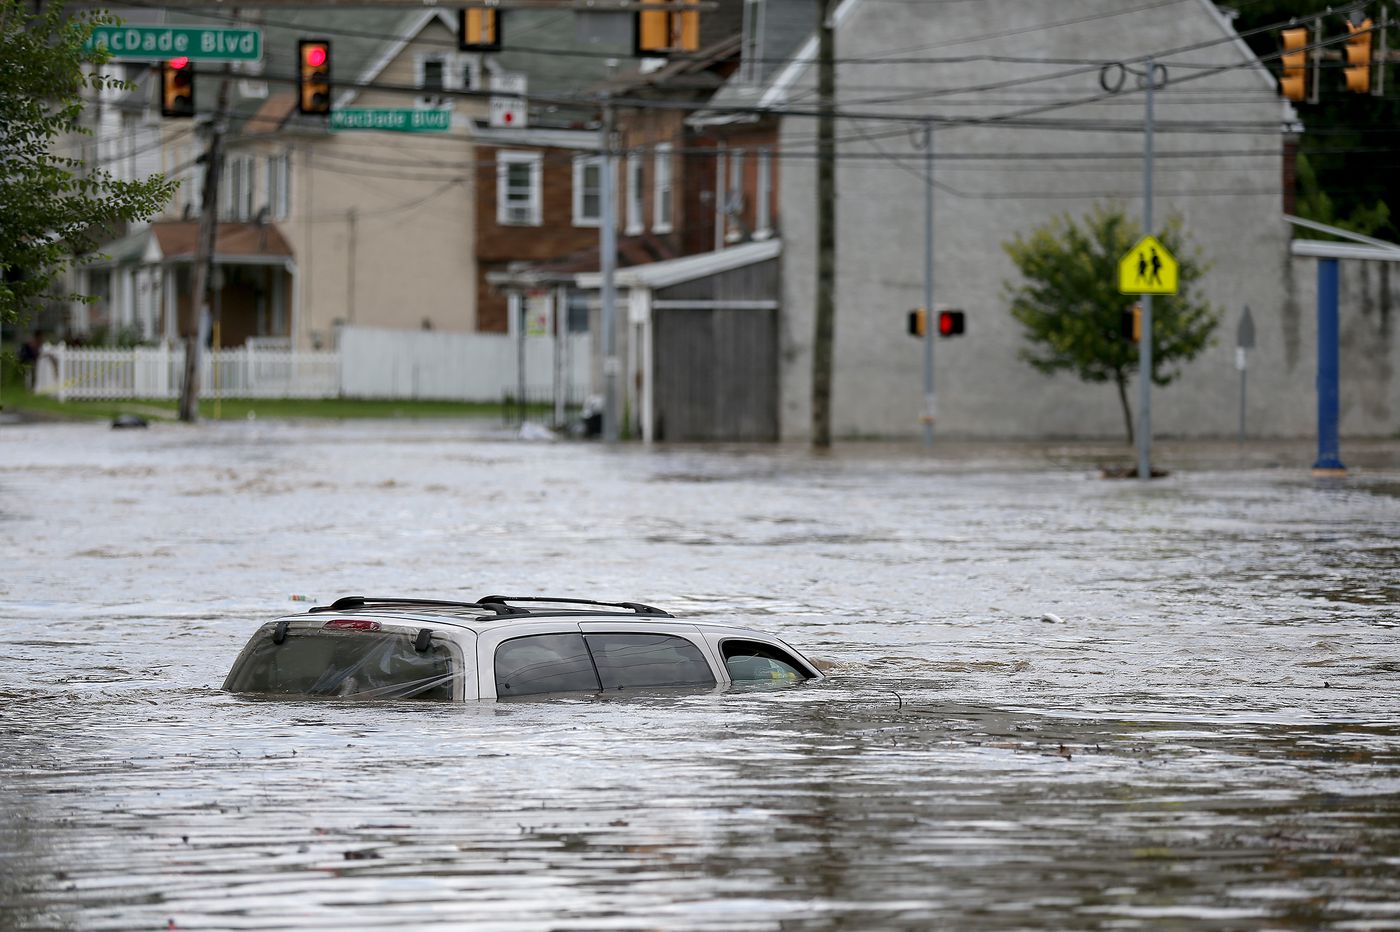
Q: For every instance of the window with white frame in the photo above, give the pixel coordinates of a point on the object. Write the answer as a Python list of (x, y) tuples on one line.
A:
[(518, 183), (247, 207), (279, 169), (763, 218), (661, 189), (634, 194), (588, 190)]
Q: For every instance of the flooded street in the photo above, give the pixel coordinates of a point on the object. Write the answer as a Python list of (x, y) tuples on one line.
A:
[(1204, 731)]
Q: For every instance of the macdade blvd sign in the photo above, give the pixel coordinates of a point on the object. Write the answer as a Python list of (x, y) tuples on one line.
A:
[(389, 120), (197, 43)]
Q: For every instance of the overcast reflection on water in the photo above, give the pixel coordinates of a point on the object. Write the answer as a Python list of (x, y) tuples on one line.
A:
[(1208, 735)]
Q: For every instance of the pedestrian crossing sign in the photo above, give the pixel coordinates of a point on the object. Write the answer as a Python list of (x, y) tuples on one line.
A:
[(1148, 268)]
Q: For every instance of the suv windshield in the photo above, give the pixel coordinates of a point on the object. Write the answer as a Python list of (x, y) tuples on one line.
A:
[(368, 665)]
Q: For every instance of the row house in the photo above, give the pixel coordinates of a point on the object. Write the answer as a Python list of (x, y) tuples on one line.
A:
[(320, 229)]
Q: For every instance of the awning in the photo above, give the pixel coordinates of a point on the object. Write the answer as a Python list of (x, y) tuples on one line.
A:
[(167, 242)]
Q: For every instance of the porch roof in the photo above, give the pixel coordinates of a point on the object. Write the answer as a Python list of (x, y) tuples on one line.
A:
[(670, 272), (177, 241)]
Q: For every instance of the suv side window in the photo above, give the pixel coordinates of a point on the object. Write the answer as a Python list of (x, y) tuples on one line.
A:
[(638, 660), (750, 661), (544, 663)]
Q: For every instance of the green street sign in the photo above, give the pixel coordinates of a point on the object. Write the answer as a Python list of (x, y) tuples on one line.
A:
[(392, 121), (197, 43)]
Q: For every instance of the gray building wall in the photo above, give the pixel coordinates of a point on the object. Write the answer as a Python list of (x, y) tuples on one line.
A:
[(1231, 205)]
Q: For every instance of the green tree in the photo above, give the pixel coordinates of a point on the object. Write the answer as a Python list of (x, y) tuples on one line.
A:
[(54, 208), (1071, 309)]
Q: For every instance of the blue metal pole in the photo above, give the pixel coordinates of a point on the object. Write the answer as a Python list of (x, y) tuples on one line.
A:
[(1329, 460)]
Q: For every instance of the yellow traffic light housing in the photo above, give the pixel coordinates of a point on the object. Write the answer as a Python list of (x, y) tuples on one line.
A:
[(918, 320), (177, 88), (314, 76), (479, 30), (1131, 327), (1294, 80), (1357, 53), (667, 31)]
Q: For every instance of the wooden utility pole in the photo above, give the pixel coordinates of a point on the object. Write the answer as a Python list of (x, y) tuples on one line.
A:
[(826, 230), (204, 256)]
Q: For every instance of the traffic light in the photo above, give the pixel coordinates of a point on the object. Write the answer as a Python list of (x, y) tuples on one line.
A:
[(314, 75), (1131, 326), (917, 321), (951, 323), (1294, 80), (478, 30), (177, 88), (662, 32), (1357, 53)]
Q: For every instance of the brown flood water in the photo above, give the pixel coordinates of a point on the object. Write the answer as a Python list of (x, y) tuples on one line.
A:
[(1208, 736)]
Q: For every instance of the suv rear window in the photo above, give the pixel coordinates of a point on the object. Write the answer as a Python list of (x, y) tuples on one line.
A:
[(368, 665), (552, 663)]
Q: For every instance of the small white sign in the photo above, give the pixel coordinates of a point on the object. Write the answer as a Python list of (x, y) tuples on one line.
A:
[(508, 101)]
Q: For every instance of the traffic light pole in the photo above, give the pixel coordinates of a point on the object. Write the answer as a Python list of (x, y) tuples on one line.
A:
[(204, 256), (1144, 437), (607, 265), (930, 408)]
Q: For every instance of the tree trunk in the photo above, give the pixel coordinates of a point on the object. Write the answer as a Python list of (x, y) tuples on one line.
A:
[(1127, 408)]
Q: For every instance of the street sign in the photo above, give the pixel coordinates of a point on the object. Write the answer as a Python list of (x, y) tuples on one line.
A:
[(1148, 268), (391, 120), (1244, 337), (508, 101), (197, 43)]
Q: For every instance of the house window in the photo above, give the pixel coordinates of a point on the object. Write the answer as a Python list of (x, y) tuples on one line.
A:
[(734, 200), (518, 201), (246, 208), (634, 193), (763, 219), (279, 169), (435, 74), (588, 191), (661, 190), (433, 71)]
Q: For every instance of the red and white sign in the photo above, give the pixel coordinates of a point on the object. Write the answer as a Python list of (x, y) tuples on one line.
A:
[(508, 101)]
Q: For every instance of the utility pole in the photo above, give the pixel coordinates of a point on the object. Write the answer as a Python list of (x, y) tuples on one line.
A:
[(1144, 437), (930, 407), (607, 258), (204, 255), (826, 231)]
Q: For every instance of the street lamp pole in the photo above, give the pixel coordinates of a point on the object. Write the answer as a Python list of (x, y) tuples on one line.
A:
[(1144, 437), (607, 267)]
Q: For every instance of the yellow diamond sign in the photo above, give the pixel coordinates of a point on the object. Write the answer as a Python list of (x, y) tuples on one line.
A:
[(1148, 268)]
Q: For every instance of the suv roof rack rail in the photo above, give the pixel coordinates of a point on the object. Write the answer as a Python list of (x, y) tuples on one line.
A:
[(361, 601), (503, 601)]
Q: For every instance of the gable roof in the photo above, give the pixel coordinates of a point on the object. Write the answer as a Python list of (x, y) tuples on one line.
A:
[(778, 77)]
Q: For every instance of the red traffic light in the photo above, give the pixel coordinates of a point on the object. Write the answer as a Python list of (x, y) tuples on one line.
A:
[(179, 63), (950, 323), (314, 76)]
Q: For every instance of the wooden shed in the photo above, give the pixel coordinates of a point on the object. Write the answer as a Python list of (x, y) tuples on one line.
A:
[(701, 342)]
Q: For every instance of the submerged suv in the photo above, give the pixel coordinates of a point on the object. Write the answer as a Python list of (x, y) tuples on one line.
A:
[(497, 648)]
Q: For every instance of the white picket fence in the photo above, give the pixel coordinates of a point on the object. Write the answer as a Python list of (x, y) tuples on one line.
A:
[(369, 363), (158, 371)]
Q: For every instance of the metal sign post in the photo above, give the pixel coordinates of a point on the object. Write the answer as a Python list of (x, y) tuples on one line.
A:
[(1244, 341), (930, 408)]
